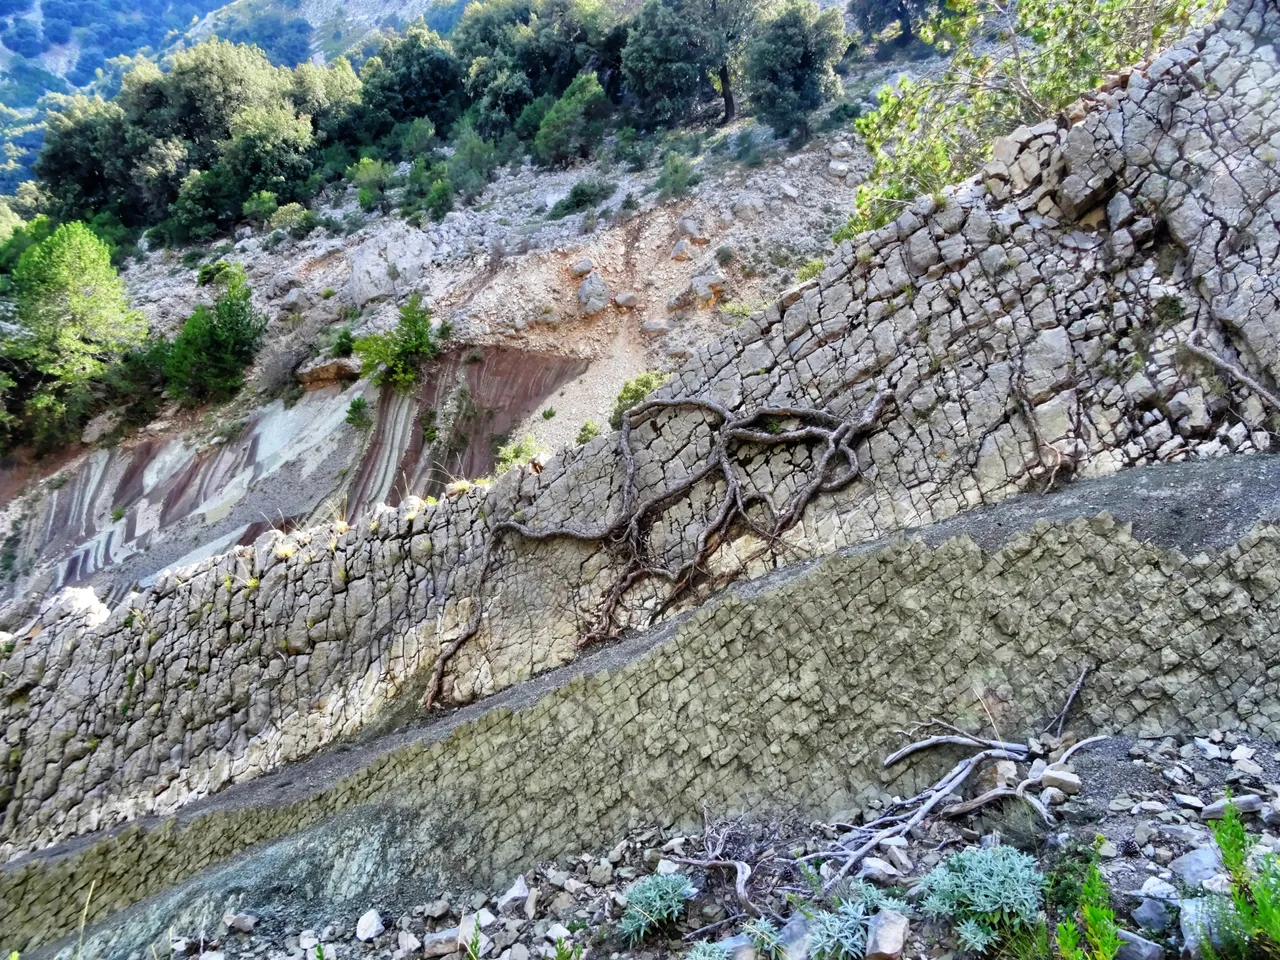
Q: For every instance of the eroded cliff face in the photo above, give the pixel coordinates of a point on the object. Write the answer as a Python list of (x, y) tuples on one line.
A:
[(173, 497), (1039, 324), (536, 298)]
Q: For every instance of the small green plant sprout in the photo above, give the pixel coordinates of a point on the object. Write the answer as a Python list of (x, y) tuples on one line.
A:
[(765, 937), (565, 952), (327, 293), (117, 514), (358, 414), (1252, 914), (706, 950), (549, 413), (1100, 937), (475, 944), (987, 895), (632, 392), (516, 454), (809, 270), (653, 902), (1169, 309), (587, 432)]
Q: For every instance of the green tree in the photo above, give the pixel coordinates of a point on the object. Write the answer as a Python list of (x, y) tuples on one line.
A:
[(413, 75), (574, 126), (671, 49), (472, 163), (73, 322), (396, 357), (72, 309), (269, 149), (933, 132), (370, 174), (216, 343), (737, 21), (789, 69), (330, 96), (260, 206), (85, 162), (873, 16), (198, 98), (9, 222), (414, 138), (499, 92), (531, 117)]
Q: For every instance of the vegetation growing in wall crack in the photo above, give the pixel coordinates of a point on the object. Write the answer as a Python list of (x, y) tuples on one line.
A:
[(936, 131), (632, 392)]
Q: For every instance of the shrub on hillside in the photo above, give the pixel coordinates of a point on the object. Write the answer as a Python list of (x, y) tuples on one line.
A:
[(260, 207), (574, 126), (653, 902), (531, 117), (987, 895), (583, 195), (216, 343), (516, 454), (396, 357), (633, 391), (472, 164), (676, 177)]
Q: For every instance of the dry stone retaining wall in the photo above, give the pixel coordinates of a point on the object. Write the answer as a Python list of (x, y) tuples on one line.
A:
[(780, 697), (1029, 328)]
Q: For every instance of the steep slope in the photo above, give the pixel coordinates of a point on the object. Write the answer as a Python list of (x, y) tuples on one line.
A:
[(503, 274), (1103, 299)]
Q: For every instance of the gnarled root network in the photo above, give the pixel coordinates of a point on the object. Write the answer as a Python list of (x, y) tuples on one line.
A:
[(941, 799), (628, 531)]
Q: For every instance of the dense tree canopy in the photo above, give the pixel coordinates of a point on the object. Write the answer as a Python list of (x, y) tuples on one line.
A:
[(790, 65), (936, 131), (185, 143), (671, 51), (413, 75), (72, 309), (873, 16), (73, 321)]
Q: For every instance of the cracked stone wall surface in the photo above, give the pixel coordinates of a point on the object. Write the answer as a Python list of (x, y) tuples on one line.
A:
[(781, 697), (1028, 329)]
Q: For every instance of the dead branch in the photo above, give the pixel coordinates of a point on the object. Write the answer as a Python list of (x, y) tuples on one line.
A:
[(703, 931), (903, 816), (1023, 400), (926, 801), (742, 876), (1071, 699), (1083, 743), (628, 532), (1192, 343), (957, 739)]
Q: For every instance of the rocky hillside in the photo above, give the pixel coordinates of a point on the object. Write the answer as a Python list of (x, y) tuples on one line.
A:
[(550, 316), (714, 604)]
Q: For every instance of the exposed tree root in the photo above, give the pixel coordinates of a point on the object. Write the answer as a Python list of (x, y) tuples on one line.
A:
[(939, 800), (1192, 343), (628, 532)]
